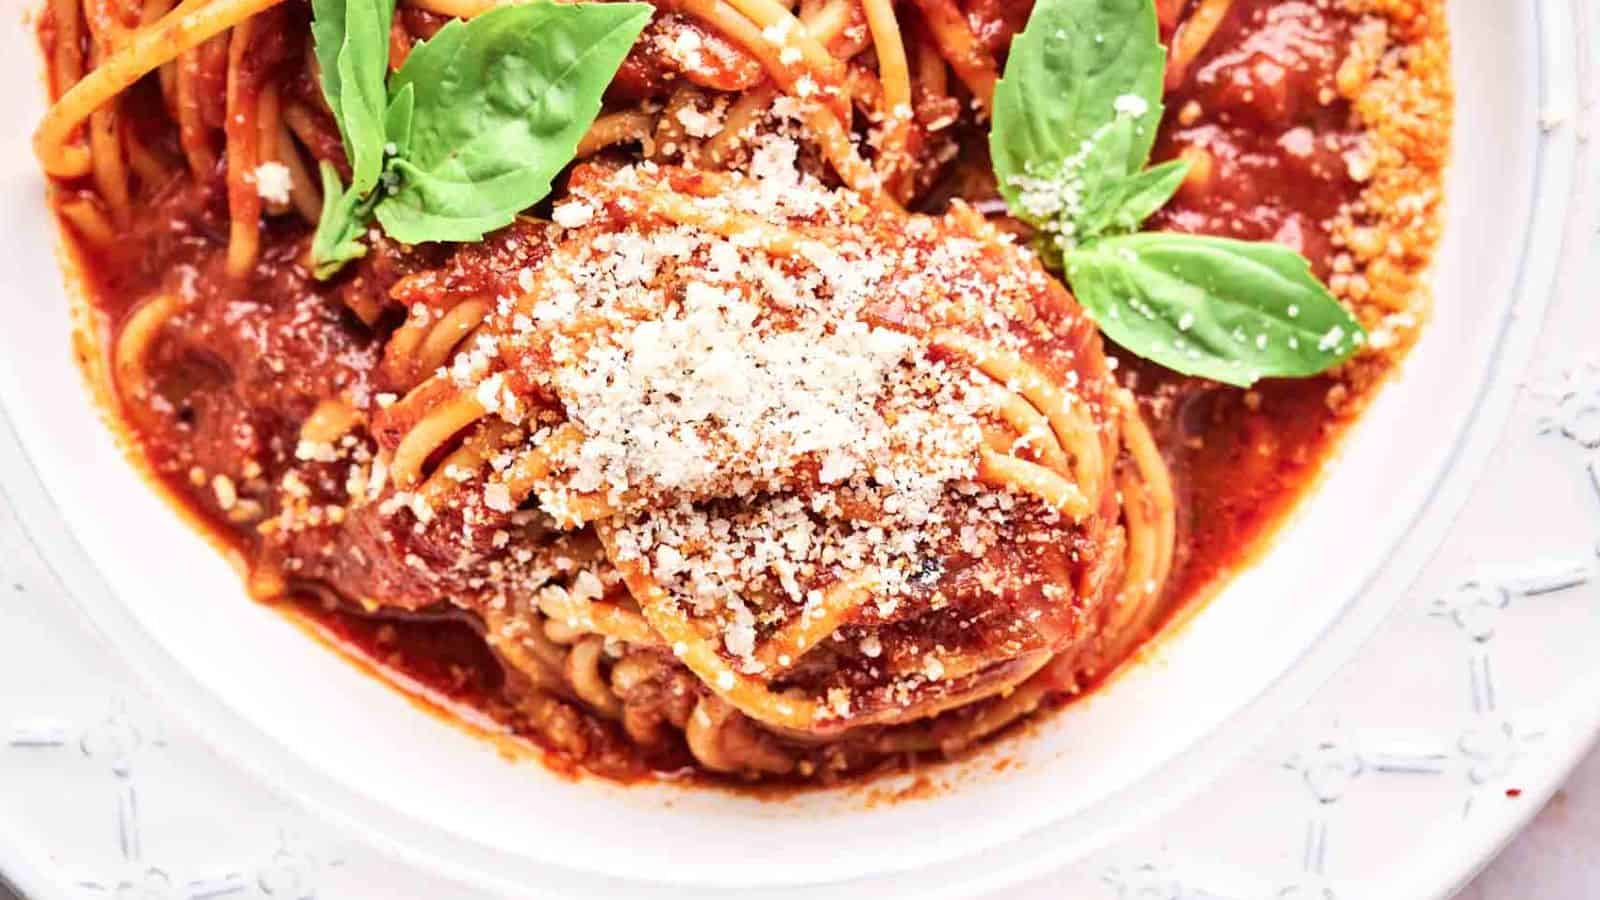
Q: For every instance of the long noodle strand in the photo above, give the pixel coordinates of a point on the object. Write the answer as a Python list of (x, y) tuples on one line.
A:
[(304, 192), (780, 29), (110, 168), (1191, 38), (616, 128), (971, 62), (185, 27), (269, 124), (827, 23), (244, 201), (87, 218), (193, 134), (66, 60), (137, 335), (895, 75), (151, 166), (149, 14), (826, 118), (740, 123)]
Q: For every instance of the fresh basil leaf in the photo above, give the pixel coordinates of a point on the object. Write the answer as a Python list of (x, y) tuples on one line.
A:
[(351, 39), (1231, 311), (1078, 68), (1079, 202), (1104, 155), (1075, 117), (397, 123), (500, 103), (327, 40), (1124, 202), (339, 229)]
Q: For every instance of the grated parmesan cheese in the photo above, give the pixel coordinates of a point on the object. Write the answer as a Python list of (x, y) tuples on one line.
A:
[(273, 182)]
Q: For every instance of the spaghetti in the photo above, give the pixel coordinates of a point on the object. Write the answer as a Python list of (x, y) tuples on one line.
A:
[(764, 448)]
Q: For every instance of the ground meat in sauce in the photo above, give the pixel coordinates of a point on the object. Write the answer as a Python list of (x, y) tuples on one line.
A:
[(1271, 131)]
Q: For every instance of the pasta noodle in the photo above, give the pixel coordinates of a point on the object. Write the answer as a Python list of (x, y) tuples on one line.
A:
[(954, 37), (1191, 37), (187, 26), (244, 202), (895, 75)]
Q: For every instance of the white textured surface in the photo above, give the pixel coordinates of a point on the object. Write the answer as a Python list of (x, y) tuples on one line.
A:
[(1554, 858)]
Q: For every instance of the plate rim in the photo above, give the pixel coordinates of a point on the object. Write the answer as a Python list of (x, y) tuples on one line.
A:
[(50, 548)]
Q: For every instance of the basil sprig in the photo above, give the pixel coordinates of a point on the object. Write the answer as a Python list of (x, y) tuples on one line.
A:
[(473, 127), (1075, 117), (351, 39)]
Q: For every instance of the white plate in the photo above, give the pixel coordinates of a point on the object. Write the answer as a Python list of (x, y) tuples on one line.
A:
[(332, 738)]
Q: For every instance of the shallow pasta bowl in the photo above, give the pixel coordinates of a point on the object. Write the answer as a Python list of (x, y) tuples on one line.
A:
[(346, 745)]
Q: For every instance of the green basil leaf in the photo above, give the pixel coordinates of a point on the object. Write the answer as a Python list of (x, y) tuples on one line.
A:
[(500, 103), (327, 40), (1231, 311), (1075, 71), (1127, 200), (341, 226), (1075, 117), (351, 39), (1104, 155), (397, 123), (1083, 199)]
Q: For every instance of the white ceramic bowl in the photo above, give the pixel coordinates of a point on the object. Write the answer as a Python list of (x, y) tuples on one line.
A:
[(345, 744)]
